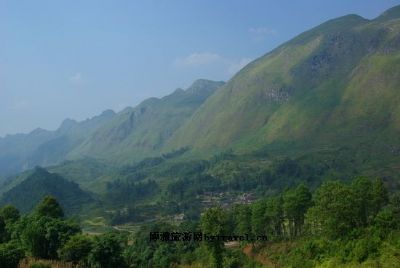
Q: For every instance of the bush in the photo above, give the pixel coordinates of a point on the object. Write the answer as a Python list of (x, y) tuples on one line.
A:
[(10, 254), (76, 249), (107, 251), (364, 248)]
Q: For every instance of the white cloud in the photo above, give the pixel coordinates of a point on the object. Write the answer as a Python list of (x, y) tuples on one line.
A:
[(198, 59), (76, 78), (236, 66)]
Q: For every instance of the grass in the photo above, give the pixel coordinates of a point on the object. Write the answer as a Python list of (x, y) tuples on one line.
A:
[(39, 263)]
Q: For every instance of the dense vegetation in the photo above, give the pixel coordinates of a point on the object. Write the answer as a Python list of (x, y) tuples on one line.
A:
[(272, 154), (40, 183), (339, 224)]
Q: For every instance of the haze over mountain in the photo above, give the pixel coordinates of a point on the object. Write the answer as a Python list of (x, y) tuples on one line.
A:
[(42, 147), (134, 132), (334, 87), (298, 154), (74, 61)]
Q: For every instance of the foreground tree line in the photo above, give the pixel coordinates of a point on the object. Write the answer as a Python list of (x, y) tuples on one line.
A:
[(47, 234), (339, 224), (335, 225)]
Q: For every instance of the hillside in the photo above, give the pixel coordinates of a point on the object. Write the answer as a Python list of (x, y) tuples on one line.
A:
[(335, 86), (42, 147), (139, 132), (41, 183), (133, 133)]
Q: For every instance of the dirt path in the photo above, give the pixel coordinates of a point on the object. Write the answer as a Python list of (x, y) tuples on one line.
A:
[(248, 250)]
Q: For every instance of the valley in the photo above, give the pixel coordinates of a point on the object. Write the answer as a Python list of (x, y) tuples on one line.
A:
[(302, 145)]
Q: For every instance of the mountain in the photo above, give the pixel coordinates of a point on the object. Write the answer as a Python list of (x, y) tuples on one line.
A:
[(321, 106), (41, 183), (335, 86), (41, 147), (139, 132), (133, 133), (331, 90)]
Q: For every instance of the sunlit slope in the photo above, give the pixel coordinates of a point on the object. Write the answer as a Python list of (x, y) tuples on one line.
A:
[(142, 131), (335, 85)]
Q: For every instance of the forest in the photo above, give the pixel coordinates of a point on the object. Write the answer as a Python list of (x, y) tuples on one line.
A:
[(337, 224), (292, 162)]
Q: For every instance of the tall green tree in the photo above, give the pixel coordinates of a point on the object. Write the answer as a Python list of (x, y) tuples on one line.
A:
[(371, 196), (107, 251), (76, 249), (9, 213), (295, 204), (380, 196), (3, 231), (258, 220), (274, 216), (44, 236), (10, 254), (336, 210), (50, 207), (242, 218), (213, 223)]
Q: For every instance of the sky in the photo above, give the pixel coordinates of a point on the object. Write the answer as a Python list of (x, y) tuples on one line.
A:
[(74, 59)]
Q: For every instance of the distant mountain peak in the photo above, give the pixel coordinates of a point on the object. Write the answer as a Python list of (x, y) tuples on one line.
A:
[(108, 112), (67, 124), (204, 84), (37, 131), (178, 91), (390, 14)]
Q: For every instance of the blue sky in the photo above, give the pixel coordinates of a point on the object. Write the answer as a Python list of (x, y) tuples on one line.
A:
[(74, 59)]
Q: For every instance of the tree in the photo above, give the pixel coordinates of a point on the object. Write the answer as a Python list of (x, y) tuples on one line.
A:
[(380, 196), (107, 251), (362, 188), (242, 218), (50, 207), (295, 204), (3, 231), (274, 217), (76, 249), (213, 223), (9, 214), (372, 197), (336, 210), (258, 221), (44, 236), (164, 255), (10, 254)]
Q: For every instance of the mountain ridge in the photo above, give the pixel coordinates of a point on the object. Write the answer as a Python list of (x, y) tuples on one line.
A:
[(20, 152), (42, 147), (301, 83), (332, 86), (141, 131)]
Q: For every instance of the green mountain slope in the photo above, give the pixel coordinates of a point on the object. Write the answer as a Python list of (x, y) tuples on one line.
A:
[(133, 133), (41, 183), (136, 133), (334, 86)]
